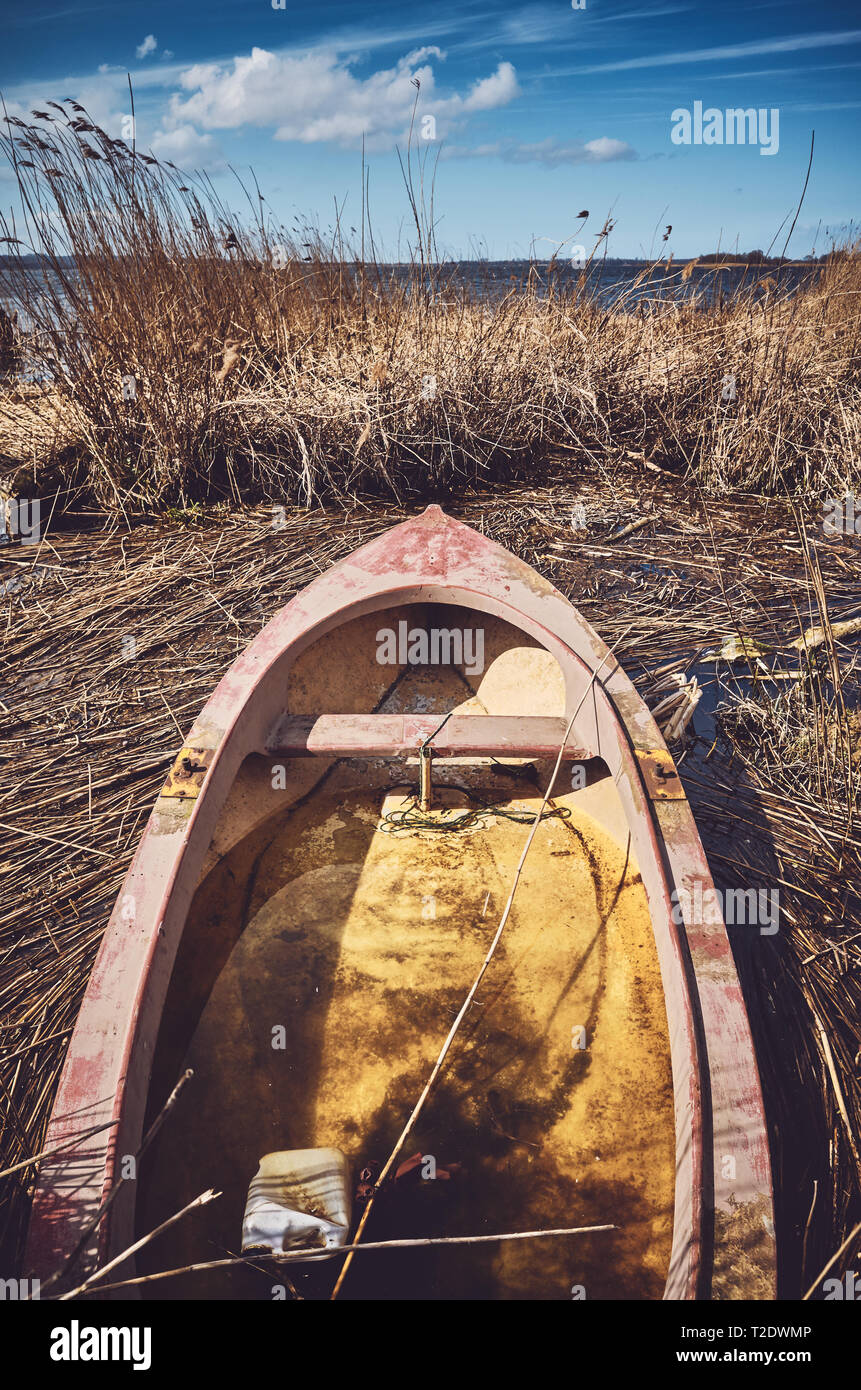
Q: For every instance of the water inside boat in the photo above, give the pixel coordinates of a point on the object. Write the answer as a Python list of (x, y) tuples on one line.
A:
[(350, 943)]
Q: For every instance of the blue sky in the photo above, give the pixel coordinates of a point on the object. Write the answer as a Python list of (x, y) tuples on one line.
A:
[(538, 110)]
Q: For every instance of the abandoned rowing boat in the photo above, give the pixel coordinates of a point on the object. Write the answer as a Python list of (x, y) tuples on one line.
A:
[(300, 929)]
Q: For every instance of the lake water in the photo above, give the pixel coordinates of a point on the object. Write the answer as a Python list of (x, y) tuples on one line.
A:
[(611, 281), (608, 280)]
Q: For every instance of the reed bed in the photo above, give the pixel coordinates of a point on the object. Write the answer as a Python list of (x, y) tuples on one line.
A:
[(194, 356), (194, 365), (120, 637)]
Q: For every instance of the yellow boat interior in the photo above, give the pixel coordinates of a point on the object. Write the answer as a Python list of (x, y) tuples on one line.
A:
[(332, 939)]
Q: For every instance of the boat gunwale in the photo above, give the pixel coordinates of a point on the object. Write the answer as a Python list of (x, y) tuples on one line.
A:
[(236, 721)]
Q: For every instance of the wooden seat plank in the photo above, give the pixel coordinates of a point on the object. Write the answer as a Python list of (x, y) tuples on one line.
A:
[(400, 735)]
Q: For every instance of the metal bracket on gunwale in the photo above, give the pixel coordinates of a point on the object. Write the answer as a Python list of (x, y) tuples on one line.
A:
[(663, 782), (185, 778)]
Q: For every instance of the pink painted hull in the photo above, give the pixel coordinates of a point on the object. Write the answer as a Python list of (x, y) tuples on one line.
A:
[(723, 1199)]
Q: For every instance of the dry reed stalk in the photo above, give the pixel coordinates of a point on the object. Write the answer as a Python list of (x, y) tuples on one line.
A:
[(317, 1254)]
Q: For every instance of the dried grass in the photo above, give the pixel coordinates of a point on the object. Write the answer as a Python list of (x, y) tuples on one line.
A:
[(276, 363)]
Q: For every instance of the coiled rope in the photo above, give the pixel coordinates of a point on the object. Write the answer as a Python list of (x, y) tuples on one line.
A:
[(411, 817)]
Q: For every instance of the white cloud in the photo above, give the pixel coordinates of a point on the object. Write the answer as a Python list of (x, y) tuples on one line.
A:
[(792, 44), (419, 54), (187, 148), (316, 96), (538, 24), (604, 149), (601, 151), (148, 46), (497, 90), (310, 96)]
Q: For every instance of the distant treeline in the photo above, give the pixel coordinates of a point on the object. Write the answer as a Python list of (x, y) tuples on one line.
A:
[(760, 258), (711, 258)]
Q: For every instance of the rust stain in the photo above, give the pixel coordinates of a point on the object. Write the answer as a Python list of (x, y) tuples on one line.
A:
[(662, 780), (185, 778)]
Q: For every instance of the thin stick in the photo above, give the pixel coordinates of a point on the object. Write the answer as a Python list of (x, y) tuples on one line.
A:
[(807, 1227), (30, 1047), (419, 1105), (148, 1138), (800, 201), (630, 529), (816, 954), (316, 1253), (67, 844), (818, 1280), (209, 1196), (835, 1081), (172, 715), (70, 1144)]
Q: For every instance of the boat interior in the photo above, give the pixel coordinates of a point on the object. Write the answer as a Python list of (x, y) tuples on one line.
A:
[(334, 934)]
